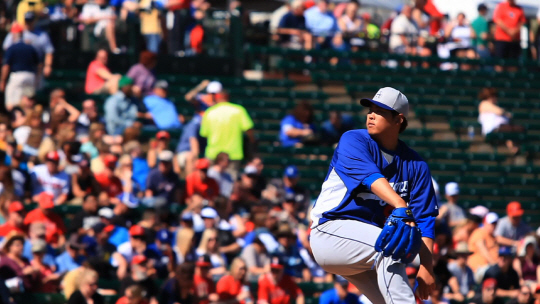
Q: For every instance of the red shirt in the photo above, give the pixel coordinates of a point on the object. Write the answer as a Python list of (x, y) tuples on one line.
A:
[(203, 288), (510, 15), (179, 4), (45, 271), (280, 293), (54, 224), (228, 288), (93, 81), (7, 228), (208, 189), (112, 185)]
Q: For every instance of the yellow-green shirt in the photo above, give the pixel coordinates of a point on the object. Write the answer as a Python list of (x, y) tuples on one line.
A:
[(223, 124)]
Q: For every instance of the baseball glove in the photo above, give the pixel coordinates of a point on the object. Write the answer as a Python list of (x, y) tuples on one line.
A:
[(398, 239)]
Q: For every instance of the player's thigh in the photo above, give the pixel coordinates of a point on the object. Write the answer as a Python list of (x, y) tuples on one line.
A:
[(393, 282), (367, 284), (344, 247)]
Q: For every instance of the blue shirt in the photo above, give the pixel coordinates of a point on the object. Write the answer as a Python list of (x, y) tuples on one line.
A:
[(120, 235), (66, 263), (120, 112), (191, 129), (290, 122), (48, 258), (331, 297), (359, 161), (321, 23), (140, 172), (163, 112), (21, 57)]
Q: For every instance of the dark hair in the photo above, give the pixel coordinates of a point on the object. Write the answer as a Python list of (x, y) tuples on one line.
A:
[(88, 195), (221, 156), (482, 7), (303, 112), (487, 93), (404, 123), (147, 58)]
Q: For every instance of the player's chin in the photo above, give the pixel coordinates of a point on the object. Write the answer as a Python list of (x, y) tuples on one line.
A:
[(372, 130)]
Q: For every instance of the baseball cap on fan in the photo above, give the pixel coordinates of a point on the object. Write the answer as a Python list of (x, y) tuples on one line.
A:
[(390, 99), (214, 87)]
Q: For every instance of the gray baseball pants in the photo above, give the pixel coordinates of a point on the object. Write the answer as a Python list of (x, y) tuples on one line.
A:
[(346, 248)]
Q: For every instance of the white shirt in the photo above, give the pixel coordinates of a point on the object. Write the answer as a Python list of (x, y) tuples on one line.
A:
[(401, 26), (43, 181), (91, 10), (21, 135), (491, 121)]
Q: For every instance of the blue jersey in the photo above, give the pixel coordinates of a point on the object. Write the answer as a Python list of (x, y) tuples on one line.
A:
[(359, 161)]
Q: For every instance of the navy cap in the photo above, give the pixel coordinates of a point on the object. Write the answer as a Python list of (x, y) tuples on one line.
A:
[(506, 251), (187, 216), (165, 236), (277, 262), (291, 171)]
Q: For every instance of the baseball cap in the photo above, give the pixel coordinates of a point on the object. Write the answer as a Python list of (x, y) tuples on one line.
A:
[(506, 251), (479, 210), (250, 170), (390, 99), (165, 156), (291, 171), (451, 189), (138, 260), (125, 81), (489, 283), (209, 212), (165, 236), (202, 163), (39, 245), (136, 230), (52, 156), (161, 84), (29, 15), (514, 209), (163, 135), (491, 218), (277, 262), (106, 213), (16, 28), (45, 200), (214, 87), (15, 207), (482, 7), (203, 261), (187, 216), (29, 92)]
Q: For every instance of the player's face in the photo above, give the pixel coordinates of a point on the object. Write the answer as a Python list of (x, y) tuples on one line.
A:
[(379, 120)]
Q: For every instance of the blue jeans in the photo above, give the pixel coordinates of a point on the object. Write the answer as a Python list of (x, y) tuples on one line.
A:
[(152, 42)]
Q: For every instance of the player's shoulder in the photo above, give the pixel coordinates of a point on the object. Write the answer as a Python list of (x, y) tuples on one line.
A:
[(355, 137), (410, 154)]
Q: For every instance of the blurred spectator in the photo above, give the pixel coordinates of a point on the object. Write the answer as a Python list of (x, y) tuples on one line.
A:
[(95, 138), (104, 249), (260, 180), (202, 101), (140, 164), (185, 238), (73, 256), (180, 10), (205, 287), (134, 295), (162, 182), (89, 115), (99, 79), (322, 24), (124, 172), (121, 108), (223, 125), (508, 18), (527, 264), (87, 217), (289, 183), (161, 143), (142, 73), (14, 221), (142, 273), (162, 110), (487, 295), (100, 18), (87, 291), (483, 246), (277, 287), (181, 287), (164, 239), (24, 7), (511, 229), (525, 296), (462, 283), (37, 231), (460, 36), (149, 14), (507, 278), (15, 270), (292, 28), (244, 193), (373, 31), (450, 212), (137, 246), (289, 251), (352, 26), (257, 259), (49, 282), (84, 182), (54, 223), (404, 37), (188, 148), (20, 63), (481, 28), (200, 183), (231, 287), (298, 127), (209, 246), (339, 294), (219, 174), (334, 127), (494, 118), (108, 182)]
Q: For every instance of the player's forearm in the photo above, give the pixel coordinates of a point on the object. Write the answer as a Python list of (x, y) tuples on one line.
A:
[(385, 192), (426, 257)]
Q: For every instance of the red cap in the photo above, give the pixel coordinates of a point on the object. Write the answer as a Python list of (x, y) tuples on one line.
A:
[(203, 261), (366, 16), (514, 209), (15, 207), (136, 230), (110, 160), (163, 135), (202, 163), (491, 282), (16, 28), (52, 156), (46, 200), (109, 228), (138, 260)]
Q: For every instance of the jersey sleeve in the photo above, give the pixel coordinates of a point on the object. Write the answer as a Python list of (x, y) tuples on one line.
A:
[(245, 120), (355, 164), (423, 201)]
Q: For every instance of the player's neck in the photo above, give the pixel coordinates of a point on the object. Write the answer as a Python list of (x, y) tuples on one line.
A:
[(387, 141)]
